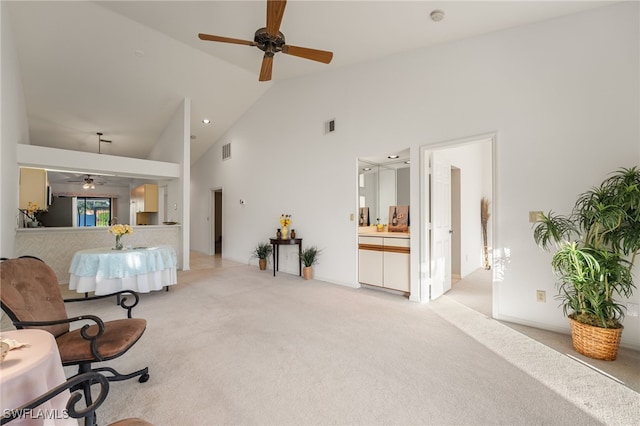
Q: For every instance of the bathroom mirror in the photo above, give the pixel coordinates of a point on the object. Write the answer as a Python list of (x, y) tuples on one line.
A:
[(383, 181)]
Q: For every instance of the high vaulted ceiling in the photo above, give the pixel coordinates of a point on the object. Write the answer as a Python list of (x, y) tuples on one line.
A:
[(123, 67)]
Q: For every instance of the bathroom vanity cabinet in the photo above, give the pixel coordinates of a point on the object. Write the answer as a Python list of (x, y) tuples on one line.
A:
[(384, 260)]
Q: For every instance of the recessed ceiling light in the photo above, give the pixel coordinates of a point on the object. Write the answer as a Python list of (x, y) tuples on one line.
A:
[(407, 162), (437, 15), (366, 169), (393, 157), (206, 121)]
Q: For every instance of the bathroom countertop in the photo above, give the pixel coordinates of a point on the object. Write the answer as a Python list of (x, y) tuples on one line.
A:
[(385, 234)]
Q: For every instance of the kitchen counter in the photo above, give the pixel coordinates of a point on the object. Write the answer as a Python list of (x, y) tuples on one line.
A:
[(88, 228)]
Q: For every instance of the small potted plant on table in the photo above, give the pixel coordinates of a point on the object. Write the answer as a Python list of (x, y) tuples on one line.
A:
[(262, 252), (595, 249)]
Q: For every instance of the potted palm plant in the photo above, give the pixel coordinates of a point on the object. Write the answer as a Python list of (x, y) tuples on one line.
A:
[(595, 248), (309, 257), (262, 252)]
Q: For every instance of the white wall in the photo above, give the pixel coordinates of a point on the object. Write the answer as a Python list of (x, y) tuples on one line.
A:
[(175, 145), (562, 96), (14, 130)]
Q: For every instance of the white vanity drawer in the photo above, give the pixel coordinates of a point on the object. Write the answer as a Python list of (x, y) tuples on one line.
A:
[(371, 240), (397, 242)]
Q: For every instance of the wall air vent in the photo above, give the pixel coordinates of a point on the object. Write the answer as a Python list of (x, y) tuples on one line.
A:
[(226, 151), (330, 126)]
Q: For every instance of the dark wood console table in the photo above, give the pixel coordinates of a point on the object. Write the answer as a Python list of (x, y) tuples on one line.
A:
[(277, 242)]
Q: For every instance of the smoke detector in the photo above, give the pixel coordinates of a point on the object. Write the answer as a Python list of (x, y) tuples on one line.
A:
[(437, 15)]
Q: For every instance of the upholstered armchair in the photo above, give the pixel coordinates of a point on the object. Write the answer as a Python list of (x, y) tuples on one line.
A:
[(87, 412), (31, 297)]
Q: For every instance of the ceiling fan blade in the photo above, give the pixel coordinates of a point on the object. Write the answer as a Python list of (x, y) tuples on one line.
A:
[(275, 12), (267, 65), (209, 37), (306, 53)]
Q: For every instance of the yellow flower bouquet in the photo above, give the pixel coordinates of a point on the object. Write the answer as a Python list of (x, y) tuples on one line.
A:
[(285, 221), (119, 230), (33, 212)]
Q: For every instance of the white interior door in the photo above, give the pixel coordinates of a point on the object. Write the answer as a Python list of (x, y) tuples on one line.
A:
[(440, 225)]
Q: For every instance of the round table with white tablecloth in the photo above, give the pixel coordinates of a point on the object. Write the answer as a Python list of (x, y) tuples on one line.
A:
[(106, 271), (28, 372)]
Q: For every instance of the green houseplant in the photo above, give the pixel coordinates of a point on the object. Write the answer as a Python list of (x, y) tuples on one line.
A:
[(309, 257), (595, 248), (262, 252)]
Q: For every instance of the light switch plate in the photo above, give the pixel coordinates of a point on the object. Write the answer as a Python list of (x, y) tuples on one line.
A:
[(534, 216)]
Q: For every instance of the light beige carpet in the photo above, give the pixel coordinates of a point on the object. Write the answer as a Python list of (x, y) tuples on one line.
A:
[(475, 292), (235, 345)]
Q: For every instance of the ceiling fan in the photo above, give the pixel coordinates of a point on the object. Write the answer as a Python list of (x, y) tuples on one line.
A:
[(270, 40), (87, 183)]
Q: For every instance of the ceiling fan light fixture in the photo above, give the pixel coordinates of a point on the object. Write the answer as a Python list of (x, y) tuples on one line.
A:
[(88, 183)]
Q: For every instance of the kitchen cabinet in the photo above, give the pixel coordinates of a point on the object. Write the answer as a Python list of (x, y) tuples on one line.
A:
[(33, 187), (146, 198), (384, 261)]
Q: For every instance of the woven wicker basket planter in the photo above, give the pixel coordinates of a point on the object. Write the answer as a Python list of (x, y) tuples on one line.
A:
[(595, 342)]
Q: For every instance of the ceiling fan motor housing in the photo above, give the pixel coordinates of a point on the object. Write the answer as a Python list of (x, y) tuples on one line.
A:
[(269, 43)]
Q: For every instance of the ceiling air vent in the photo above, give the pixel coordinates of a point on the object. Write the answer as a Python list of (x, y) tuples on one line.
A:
[(226, 151)]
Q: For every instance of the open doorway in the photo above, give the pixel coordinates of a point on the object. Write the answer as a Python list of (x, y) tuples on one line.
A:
[(215, 244), (456, 176)]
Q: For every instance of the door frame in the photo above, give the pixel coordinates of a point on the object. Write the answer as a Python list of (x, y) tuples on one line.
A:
[(424, 287)]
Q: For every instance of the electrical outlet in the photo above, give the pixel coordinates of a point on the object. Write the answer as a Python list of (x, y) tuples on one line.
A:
[(541, 296)]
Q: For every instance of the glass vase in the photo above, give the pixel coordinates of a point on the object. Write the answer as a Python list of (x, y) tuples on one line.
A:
[(118, 242)]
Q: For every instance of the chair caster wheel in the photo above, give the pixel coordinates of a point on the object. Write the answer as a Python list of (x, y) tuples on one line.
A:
[(144, 378)]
